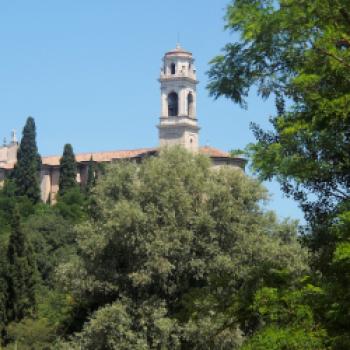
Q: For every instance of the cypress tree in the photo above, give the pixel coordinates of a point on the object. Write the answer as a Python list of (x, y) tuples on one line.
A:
[(3, 294), (21, 273), (68, 170), (26, 173), (91, 176)]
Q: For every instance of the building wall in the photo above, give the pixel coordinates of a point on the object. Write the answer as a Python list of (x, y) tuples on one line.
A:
[(235, 163), (12, 153), (3, 154), (50, 176), (83, 174), (183, 135), (8, 153), (45, 185), (55, 177)]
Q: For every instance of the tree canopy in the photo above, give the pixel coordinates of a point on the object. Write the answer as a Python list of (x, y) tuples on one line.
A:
[(21, 274), (26, 173), (68, 170), (172, 250), (299, 51)]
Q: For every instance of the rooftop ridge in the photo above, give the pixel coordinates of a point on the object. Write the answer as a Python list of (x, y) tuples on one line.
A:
[(107, 156), (108, 151)]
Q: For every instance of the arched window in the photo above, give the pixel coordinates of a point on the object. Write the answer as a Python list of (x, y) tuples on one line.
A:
[(173, 68), (190, 104), (172, 104)]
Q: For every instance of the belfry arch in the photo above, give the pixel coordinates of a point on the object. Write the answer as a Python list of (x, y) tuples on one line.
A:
[(173, 68), (173, 104), (190, 108)]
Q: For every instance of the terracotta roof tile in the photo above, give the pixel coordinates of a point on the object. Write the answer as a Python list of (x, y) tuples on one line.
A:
[(100, 156), (124, 154), (213, 152)]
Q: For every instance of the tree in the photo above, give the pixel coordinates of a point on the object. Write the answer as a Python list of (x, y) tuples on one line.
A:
[(71, 200), (52, 241), (91, 178), (68, 170), (22, 273), (300, 50), (41, 332), (26, 173), (336, 303), (72, 205), (287, 316), (173, 255), (3, 293)]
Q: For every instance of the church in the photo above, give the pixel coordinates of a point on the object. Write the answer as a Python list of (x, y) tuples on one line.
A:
[(178, 125)]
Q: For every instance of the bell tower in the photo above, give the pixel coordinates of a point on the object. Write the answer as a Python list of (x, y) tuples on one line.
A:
[(178, 122)]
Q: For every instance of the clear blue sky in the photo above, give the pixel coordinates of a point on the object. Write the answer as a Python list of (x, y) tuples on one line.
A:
[(87, 71)]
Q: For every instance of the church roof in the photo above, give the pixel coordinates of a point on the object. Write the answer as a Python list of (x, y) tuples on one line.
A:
[(114, 155), (126, 154), (178, 51), (213, 152), (101, 156)]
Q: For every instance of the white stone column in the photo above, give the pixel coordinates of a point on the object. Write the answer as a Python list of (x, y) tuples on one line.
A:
[(164, 103), (194, 104), (182, 102)]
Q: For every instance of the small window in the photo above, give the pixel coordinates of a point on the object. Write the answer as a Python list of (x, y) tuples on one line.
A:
[(173, 68)]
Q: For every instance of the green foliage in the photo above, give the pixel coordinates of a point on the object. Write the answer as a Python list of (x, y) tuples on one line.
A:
[(52, 240), (277, 338), (72, 205), (68, 170), (111, 327), (30, 334), (287, 318), (26, 173), (92, 176), (169, 251), (9, 202), (337, 284), (300, 51), (3, 292), (237, 152), (22, 273), (71, 202), (42, 331), (51, 312)]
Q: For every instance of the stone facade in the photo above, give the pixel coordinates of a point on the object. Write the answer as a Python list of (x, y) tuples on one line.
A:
[(178, 122), (8, 156), (178, 126)]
